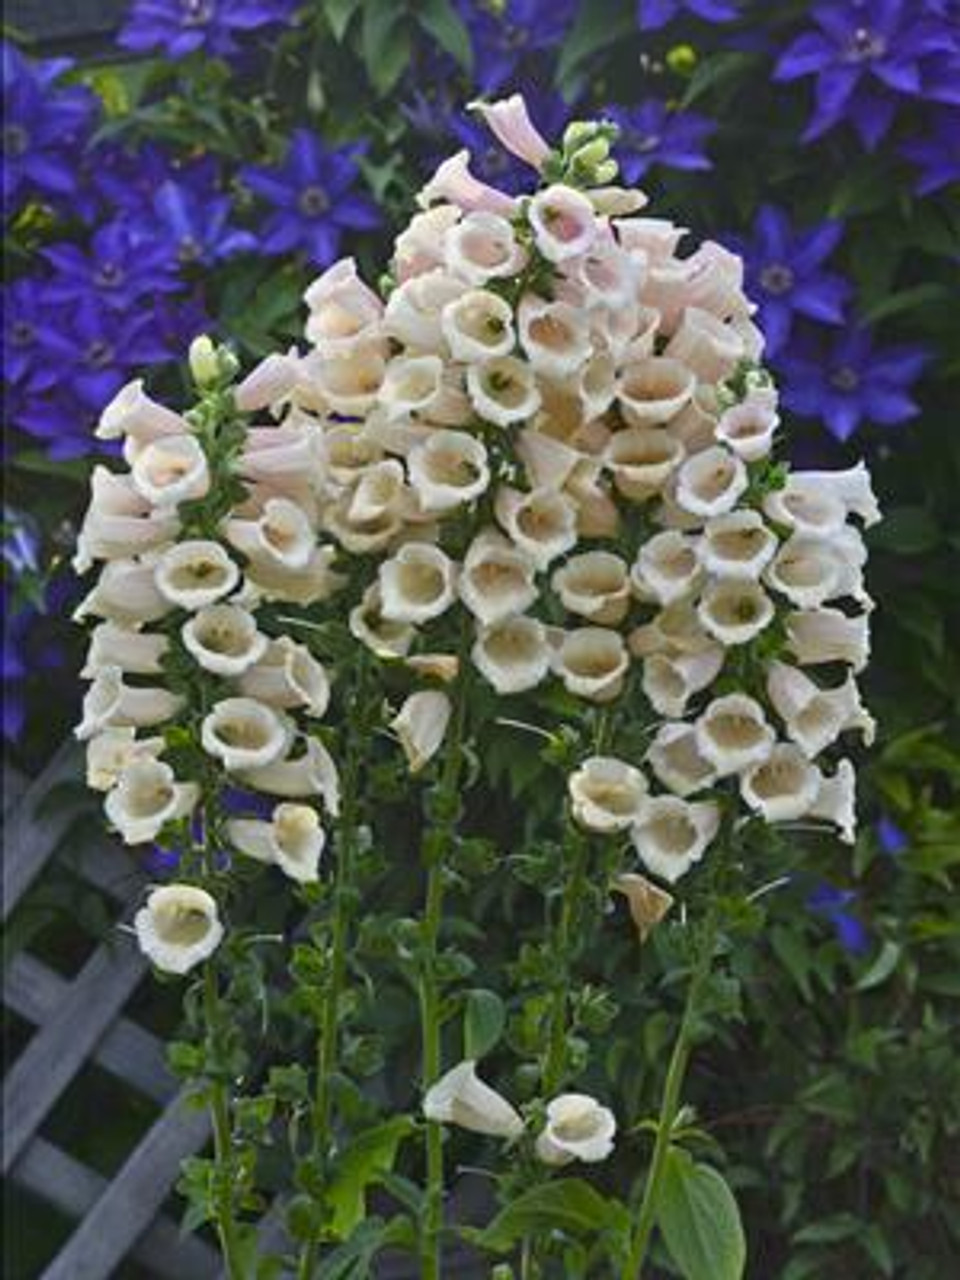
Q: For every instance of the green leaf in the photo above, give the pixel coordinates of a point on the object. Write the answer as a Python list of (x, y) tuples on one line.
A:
[(386, 43), (842, 1226), (483, 1021), (369, 1156), (906, 531), (881, 969), (700, 1221), (596, 28), (568, 1204), (338, 13), (715, 71), (440, 19), (921, 295)]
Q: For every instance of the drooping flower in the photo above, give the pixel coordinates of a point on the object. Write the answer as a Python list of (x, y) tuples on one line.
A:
[(867, 57), (785, 275), (654, 14), (180, 27), (460, 1097), (651, 133), (43, 123), (853, 381), (577, 1128), (313, 199)]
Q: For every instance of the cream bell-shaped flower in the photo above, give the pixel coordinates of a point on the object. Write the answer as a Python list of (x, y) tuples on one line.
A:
[(542, 522), (281, 536), (478, 327), (747, 429), (343, 310), (641, 460), (146, 797), (737, 545), (648, 903), (509, 122), (196, 573), (283, 456), (313, 773), (453, 183), (381, 636), (421, 724), (418, 249), (417, 584), (313, 584), (814, 717), (132, 414), (836, 801), (577, 1128), (111, 704), (673, 834), (497, 579), (171, 470), (178, 928), (852, 488), (513, 655), (563, 222), (802, 509), (595, 585), (554, 336), (811, 571), (126, 593), (503, 391), (244, 734), (460, 1097), (676, 629), (711, 483), (734, 610), (435, 666), (120, 523), (223, 639), (606, 794), (292, 840), (783, 787), (269, 383), (670, 680), (288, 676), (448, 468), (705, 344), (815, 636), (676, 761), (414, 314), (482, 247), (732, 734), (350, 381), (110, 751), (411, 385), (654, 390), (667, 568), (133, 652), (592, 662)]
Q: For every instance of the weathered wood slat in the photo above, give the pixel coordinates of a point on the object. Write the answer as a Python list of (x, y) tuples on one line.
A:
[(64, 1182), (33, 829), (135, 1056), (59, 1049), (128, 1204)]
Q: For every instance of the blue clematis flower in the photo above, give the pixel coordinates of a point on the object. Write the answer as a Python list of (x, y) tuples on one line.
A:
[(23, 600), (832, 903), (313, 199), (652, 134), (852, 381), (192, 223), (502, 39), (654, 14), (42, 125), (936, 153), (120, 266), (785, 275), (867, 57), (180, 27), (892, 840)]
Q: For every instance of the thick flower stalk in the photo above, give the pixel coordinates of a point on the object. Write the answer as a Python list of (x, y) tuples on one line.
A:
[(542, 460)]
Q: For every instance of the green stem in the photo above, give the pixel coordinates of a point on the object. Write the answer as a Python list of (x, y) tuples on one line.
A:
[(222, 1141), (555, 1062), (435, 846), (328, 1041), (670, 1103)]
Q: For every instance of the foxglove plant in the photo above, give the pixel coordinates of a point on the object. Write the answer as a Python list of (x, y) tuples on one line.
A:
[(536, 473)]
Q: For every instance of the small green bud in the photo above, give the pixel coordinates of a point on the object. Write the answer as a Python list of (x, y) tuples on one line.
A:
[(204, 366), (605, 173), (594, 153), (502, 1271), (682, 59), (578, 133)]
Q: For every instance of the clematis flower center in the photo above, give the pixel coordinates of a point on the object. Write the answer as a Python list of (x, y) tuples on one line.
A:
[(99, 354), (197, 13), (777, 278), (645, 142), (189, 250), (313, 201), (16, 141), (845, 378), (865, 46), (21, 333), (110, 275)]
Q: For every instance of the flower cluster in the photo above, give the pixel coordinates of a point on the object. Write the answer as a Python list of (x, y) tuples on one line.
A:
[(545, 454)]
